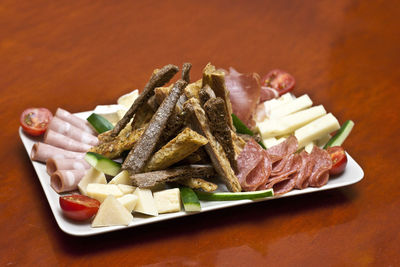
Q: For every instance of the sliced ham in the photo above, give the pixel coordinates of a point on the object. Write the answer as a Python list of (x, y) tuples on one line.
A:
[(42, 152), (58, 164), (66, 180), (59, 140), (75, 121), (322, 165), (60, 126), (244, 93), (279, 151)]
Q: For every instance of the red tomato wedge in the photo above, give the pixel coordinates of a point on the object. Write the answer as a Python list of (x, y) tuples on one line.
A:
[(34, 121), (280, 80), (339, 159), (79, 207)]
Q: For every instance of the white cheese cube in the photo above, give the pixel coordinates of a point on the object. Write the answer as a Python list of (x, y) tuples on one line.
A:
[(112, 212), (128, 99), (288, 124), (168, 200), (128, 201), (92, 176), (126, 189), (316, 129), (110, 112), (297, 104), (101, 191), (121, 178), (145, 203)]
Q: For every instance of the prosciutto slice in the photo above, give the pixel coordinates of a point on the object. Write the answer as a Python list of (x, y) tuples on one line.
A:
[(267, 93), (60, 126), (42, 152), (244, 93), (254, 166), (322, 165), (75, 121), (58, 164), (66, 180), (59, 140)]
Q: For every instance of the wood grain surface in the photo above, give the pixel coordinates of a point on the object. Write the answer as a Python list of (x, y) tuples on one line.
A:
[(77, 54)]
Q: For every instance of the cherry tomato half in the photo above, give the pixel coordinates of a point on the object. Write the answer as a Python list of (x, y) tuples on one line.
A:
[(34, 121), (79, 207), (280, 80), (339, 159)]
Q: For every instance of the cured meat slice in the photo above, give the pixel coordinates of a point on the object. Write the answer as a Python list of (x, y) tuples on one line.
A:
[(66, 180), (288, 184), (60, 126), (322, 165), (58, 164), (305, 171), (59, 140), (267, 93), (279, 151), (75, 121), (244, 94), (42, 152)]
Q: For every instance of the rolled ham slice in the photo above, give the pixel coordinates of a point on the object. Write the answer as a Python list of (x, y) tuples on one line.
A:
[(66, 180), (60, 126), (59, 140), (58, 164), (75, 121), (42, 152)]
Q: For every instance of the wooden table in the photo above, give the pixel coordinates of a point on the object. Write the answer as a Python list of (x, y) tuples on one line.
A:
[(75, 55)]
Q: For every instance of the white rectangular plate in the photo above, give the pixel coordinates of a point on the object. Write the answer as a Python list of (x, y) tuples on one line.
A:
[(352, 174)]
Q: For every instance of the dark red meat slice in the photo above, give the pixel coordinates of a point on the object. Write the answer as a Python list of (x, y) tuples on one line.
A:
[(287, 147), (322, 164), (305, 171)]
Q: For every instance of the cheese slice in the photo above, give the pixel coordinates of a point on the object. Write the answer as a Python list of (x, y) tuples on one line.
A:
[(168, 200), (92, 176), (316, 129), (126, 189), (297, 104), (128, 99), (145, 203), (101, 191), (289, 123), (276, 102), (110, 112), (121, 178), (112, 212), (128, 201), (309, 147)]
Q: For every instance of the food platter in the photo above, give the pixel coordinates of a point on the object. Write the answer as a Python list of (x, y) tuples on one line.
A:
[(352, 174)]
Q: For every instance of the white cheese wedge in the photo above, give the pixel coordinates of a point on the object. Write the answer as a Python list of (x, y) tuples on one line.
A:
[(168, 200), (92, 176), (112, 212), (101, 191), (297, 104), (145, 203), (126, 189), (110, 112), (121, 178), (316, 129), (128, 99), (128, 201), (288, 124), (309, 147)]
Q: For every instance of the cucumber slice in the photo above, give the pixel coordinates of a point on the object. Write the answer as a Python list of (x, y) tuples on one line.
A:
[(242, 128), (189, 199), (103, 164), (341, 135), (223, 196), (99, 123)]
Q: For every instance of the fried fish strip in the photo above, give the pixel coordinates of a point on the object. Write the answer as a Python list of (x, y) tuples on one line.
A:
[(184, 144)]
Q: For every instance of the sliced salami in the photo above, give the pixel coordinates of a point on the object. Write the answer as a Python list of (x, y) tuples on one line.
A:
[(59, 140), (75, 121), (58, 164), (302, 177), (322, 164), (66, 180), (60, 126), (248, 160), (287, 147), (42, 152)]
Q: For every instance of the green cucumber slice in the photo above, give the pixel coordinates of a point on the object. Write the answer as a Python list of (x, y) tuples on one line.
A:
[(341, 135), (242, 128), (99, 123), (223, 196), (103, 164), (189, 199)]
